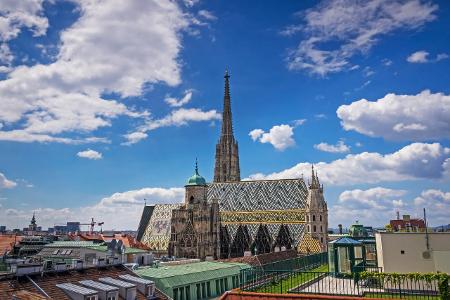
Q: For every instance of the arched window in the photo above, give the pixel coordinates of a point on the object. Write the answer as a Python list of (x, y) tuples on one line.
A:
[(191, 200), (320, 218), (321, 230), (314, 228), (314, 218), (309, 229), (321, 239)]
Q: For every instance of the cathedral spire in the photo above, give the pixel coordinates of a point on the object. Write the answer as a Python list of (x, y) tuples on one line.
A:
[(227, 122), (227, 156)]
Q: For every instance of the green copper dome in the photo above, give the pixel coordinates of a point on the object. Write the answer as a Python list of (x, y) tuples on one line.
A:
[(196, 179)]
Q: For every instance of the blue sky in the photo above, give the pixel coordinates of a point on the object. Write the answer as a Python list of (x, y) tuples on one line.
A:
[(103, 104)]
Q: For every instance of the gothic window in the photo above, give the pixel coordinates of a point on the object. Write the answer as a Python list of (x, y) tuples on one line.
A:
[(262, 243), (314, 218), (241, 242), (191, 200), (283, 238), (314, 228)]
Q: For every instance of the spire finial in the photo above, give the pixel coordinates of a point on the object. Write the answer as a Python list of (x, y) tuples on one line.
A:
[(196, 166)]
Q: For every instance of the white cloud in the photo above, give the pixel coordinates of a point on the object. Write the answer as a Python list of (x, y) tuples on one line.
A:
[(415, 161), (174, 102), (418, 57), (134, 137), (90, 154), (422, 57), (299, 122), (207, 15), (15, 15), (126, 207), (376, 206), (102, 52), (5, 183), (400, 117), (279, 136), (181, 117), (340, 147), (335, 31)]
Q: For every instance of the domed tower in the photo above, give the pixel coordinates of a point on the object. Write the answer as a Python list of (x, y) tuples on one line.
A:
[(195, 188), (195, 226), (317, 212)]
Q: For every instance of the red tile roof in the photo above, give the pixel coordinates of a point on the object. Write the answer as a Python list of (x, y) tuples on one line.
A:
[(48, 282), (7, 242)]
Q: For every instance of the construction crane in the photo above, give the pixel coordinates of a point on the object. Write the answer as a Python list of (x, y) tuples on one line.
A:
[(92, 224)]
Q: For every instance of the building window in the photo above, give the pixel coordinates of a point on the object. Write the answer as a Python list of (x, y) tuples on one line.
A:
[(226, 284), (175, 294), (309, 229), (320, 218), (208, 289), (112, 298), (217, 287), (314, 218), (402, 251), (314, 228), (321, 239), (321, 229)]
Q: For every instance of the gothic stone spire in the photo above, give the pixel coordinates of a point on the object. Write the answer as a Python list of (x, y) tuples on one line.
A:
[(227, 156)]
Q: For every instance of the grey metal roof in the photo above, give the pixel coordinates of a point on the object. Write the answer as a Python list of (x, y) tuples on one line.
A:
[(135, 279), (76, 289), (116, 282), (98, 285)]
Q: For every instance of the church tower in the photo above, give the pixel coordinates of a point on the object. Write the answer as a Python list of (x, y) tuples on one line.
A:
[(227, 155), (317, 212)]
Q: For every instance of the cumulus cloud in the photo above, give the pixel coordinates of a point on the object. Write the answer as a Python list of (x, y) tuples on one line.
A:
[(414, 161), (134, 137), (340, 147), (126, 207), (181, 117), (16, 15), (5, 183), (102, 52), (422, 57), (376, 206), (279, 136), (174, 102), (90, 154), (334, 31), (418, 117)]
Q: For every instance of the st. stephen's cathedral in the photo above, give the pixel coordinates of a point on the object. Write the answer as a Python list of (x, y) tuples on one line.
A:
[(233, 218)]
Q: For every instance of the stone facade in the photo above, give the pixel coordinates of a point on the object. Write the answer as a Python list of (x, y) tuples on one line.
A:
[(195, 226), (227, 154), (317, 212)]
